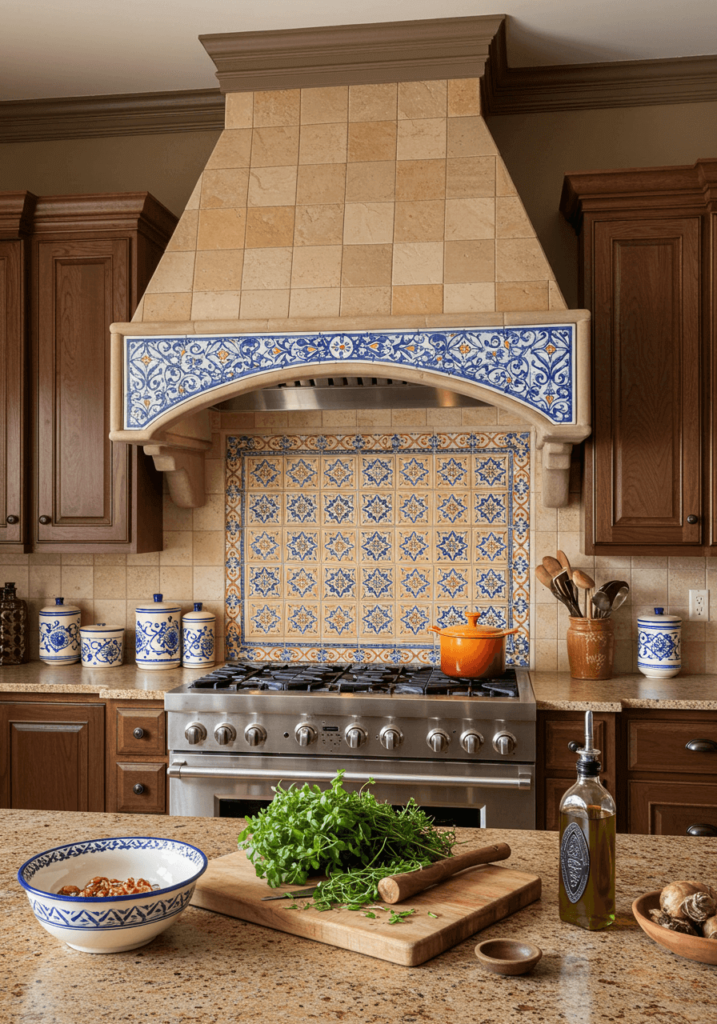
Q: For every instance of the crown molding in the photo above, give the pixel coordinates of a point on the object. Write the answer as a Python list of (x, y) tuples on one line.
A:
[(633, 83), (17, 210), (393, 51), (84, 117)]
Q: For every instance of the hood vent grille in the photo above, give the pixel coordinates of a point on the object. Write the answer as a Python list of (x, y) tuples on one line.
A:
[(347, 393)]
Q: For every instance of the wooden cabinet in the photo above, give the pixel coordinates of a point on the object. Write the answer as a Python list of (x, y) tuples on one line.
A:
[(52, 756), (137, 757), (645, 268), (87, 261)]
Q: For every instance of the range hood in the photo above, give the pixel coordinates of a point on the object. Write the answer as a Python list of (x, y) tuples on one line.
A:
[(355, 223)]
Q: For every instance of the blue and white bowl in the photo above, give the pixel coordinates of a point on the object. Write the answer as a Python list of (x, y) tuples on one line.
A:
[(102, 645), (60, 633), (111, 924), (659, 654)]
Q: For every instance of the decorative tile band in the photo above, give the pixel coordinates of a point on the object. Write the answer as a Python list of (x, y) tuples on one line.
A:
[(533, 365), (348, 547)]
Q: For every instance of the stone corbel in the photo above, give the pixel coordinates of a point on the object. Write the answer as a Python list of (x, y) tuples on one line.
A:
[(556, 474), (184, 468)]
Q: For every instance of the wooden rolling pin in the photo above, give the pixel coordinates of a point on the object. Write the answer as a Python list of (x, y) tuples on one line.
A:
[(396, 888)]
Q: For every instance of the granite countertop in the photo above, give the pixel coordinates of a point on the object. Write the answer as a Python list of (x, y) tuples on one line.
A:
[(123, 683), (213, 969)]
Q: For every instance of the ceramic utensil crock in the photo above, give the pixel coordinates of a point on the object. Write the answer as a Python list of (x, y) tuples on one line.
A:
[(591, 644), (60, 633), (102, 645), (13, 627), (659, 644), (158, 634), (198, 638), (472, 651)]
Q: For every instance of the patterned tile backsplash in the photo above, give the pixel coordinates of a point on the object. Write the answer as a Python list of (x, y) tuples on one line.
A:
[(348, 547)]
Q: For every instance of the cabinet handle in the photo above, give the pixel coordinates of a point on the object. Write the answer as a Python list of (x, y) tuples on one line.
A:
[(575, 745), (702, 830), (45, 520), (138, 788), (13, 519), (702, 746), (138, 733), (692, 520)]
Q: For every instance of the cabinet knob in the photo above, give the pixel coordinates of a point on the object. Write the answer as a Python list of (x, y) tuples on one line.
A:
[(692, 520), (45, 520), (13, 519), (138, 788), (702, 830), (138, 733), (575, 745), (702, 746)]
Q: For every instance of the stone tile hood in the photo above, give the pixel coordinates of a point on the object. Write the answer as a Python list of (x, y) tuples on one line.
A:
[(355, 210)]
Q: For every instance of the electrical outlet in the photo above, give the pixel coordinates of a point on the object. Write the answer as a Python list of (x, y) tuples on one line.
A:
[(699, 605)]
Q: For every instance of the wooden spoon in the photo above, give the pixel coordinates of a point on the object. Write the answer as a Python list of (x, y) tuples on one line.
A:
[(586, 583), (553, 565), (565, 562), (544, 576)]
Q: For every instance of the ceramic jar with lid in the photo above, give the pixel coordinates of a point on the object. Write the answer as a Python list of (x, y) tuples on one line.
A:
[(13, 627), (158, 634), (198, 638), (60, 633), (659, 637), (102, 645)]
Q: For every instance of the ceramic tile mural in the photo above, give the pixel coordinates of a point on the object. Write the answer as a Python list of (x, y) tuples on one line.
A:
[(348, 547)]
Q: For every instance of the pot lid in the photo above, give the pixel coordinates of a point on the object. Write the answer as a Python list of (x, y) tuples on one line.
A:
[(60, 608), (660, 617), (159, 605), (101, 627), (472, 629), (197, 615)]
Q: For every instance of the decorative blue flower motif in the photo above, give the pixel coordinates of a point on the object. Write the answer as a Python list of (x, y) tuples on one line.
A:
[(453, 546), (490, 472), (493, 615), (415, 620), (265, 473), (377, 508), (395, 442), (520, 528), (233, 493), (435, 444), (452, 472), (301, 473), (416, 583), (415, 509), (452, 583), (302, 620), (285, 444), (263, 508), (377, 546), (396, 656), (520, 487), (414, 471), (340, 620), (434, 657), (339, 508), (491, 546), (322, 655), (232, 563), (264, 581), (301, 508), (301, 581), (378, 619), (301, 547), (321, 442), (233, 528), (265, 619), (451, 616), (232, 601), (378, 582), (520, 605), (287, 654), (377, 473), (490, 508), (491, 584), (338, 473), (453, 509), (358, 443), (340, 545), (520, 565), (358, 655), (264, 546), (414, 546), (340, 583)]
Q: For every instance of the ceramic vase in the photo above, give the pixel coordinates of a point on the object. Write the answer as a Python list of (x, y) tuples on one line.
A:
[(198, 638), (591, 644), (13, 627), (102, 645), (158, 634), (60, 633), (659, 644)]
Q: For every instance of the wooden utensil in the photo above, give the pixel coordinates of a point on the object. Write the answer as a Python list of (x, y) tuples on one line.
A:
[(544, 576), (396, 888), (553, 566), (565, 562), (564, 585), (508, 956), (586, 583)]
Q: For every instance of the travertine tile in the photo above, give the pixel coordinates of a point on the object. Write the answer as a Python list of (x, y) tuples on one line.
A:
[(372, 140), (471, 218), (272, 186), (110, 559), (417, 263), (420, 179), (479, 417), (419, 221), (365, 301), (417, 298), (373, 418), (368, 223), (469, 261), (267, 268), (422, 99), (221, 229), (319, 225), (261, 304), (219, 270), (373, 102), (421, 139), (185, 233), (444, 419), (233, 149), (463, 97), (469, 136), (315, 302), (274, 147), (522, 297), (276, 107), (226, 187), (174, 273), (215, 305), (147, 557), (299, 419), (172, 308), (239, 110), (77, 582), (113, 612), (366, 265), (503, 182), (469, 298), (175, 583), (520, 259), (174, 517), (208, 583), (323, 144), (324, 105), (371, 181), (208, 547), (335, 418), (211, 515), (236, 421), (177, 548), (316, 266), (321, 183), (470, 177), (511, 220), (269, 226), (68, 558), (110, 581)]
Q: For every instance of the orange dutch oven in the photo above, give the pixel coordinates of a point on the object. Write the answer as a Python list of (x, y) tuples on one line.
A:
[(473, 651)]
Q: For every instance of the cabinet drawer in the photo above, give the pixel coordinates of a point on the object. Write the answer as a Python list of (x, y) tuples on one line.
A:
[(662, 747), (560, 731), (671, 808), (141, 731), (141, 788)]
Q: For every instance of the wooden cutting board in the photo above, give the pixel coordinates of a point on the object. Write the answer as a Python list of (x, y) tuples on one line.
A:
[(463, 905)]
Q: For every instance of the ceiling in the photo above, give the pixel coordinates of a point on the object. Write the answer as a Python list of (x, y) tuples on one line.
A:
[(51, 48)]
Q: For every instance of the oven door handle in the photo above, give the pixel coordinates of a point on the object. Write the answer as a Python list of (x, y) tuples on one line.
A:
[(181, 770)]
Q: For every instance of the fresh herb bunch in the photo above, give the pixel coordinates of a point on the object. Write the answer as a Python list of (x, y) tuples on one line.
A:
[(332, 832)]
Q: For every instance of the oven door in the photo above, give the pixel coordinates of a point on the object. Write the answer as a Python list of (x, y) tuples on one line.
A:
[(474, 795)]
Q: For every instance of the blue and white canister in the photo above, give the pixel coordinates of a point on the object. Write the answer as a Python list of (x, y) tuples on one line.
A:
[(198, 638), (60, 633), (158, 634), (102, 645), (659, 644)]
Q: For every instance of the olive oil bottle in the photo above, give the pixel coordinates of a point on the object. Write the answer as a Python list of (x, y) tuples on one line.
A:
[(587, 844)]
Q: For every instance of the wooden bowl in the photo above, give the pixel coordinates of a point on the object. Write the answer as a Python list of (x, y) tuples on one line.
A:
[(692, 947), (508, 956)]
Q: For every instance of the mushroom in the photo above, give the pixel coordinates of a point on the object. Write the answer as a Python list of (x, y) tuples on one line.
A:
[(709, 928), (693, 901)]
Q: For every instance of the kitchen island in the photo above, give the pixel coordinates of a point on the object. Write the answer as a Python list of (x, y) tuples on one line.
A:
[(211, 968)]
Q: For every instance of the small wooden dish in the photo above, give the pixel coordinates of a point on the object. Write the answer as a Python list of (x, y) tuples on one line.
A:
[(692, 947), (508, 956)]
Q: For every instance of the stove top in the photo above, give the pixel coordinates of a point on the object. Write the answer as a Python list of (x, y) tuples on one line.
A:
[(244, 678)]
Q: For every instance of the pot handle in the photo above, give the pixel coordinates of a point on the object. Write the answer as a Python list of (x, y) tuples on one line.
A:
[(509, 632), (434, 629)]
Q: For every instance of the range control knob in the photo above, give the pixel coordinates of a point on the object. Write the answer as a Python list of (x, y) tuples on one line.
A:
[(255, 735), (471, 742), (355, 736), (225, 734), (504, 743), (305, 734), (438, 740), (391, 737), (195, 733)]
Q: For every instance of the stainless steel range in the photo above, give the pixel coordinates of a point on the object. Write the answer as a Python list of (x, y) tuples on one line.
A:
[(463, 750)]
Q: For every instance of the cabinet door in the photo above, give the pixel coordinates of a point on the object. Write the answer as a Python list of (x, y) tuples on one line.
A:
[(52, 757), (645, 460), (81, 287), (673, 808), (13, 456)]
